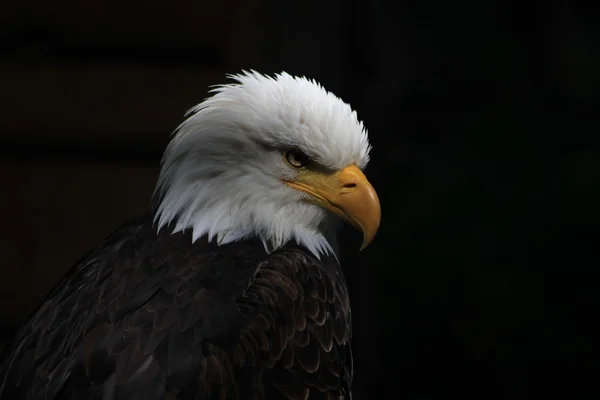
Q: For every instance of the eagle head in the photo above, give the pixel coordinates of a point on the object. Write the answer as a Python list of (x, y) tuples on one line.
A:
[(279, 158)]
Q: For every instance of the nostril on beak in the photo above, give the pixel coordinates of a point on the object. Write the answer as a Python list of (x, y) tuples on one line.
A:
[(349, 185)]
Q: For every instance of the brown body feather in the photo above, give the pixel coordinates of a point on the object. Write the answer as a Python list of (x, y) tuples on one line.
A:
[(150, 315)]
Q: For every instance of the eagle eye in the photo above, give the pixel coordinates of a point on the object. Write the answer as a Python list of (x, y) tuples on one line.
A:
[(296, 158)]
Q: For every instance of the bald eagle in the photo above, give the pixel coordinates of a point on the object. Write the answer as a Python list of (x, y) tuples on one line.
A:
[(230, 287)]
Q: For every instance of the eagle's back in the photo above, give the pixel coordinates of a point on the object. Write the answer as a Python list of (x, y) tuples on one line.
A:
[(150, 315)]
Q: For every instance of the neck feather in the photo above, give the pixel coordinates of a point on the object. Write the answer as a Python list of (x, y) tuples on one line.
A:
[(228, 204)]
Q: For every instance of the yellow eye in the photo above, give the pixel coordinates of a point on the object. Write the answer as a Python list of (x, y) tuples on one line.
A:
[(296, 158)]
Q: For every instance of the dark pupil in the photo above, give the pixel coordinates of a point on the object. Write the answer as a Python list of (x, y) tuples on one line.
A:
[(298, 158)]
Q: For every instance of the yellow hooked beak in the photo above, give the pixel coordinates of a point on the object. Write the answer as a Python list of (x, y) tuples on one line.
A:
[(346, 193)]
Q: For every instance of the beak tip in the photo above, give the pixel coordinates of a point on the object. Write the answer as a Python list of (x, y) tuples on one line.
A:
[(366, 242), (369, 233)]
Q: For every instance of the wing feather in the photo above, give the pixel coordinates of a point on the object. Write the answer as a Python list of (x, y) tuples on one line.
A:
[(147, 316)]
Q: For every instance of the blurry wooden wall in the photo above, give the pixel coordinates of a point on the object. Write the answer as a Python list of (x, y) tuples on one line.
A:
[(90, 94)]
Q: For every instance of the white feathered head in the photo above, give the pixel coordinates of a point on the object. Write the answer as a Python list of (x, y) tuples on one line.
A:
[(275, 157)]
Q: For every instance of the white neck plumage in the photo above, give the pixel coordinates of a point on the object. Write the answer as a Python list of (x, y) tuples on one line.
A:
[(204, 187)]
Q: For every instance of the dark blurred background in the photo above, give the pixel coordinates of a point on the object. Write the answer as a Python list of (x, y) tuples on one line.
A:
[(480, 283)]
